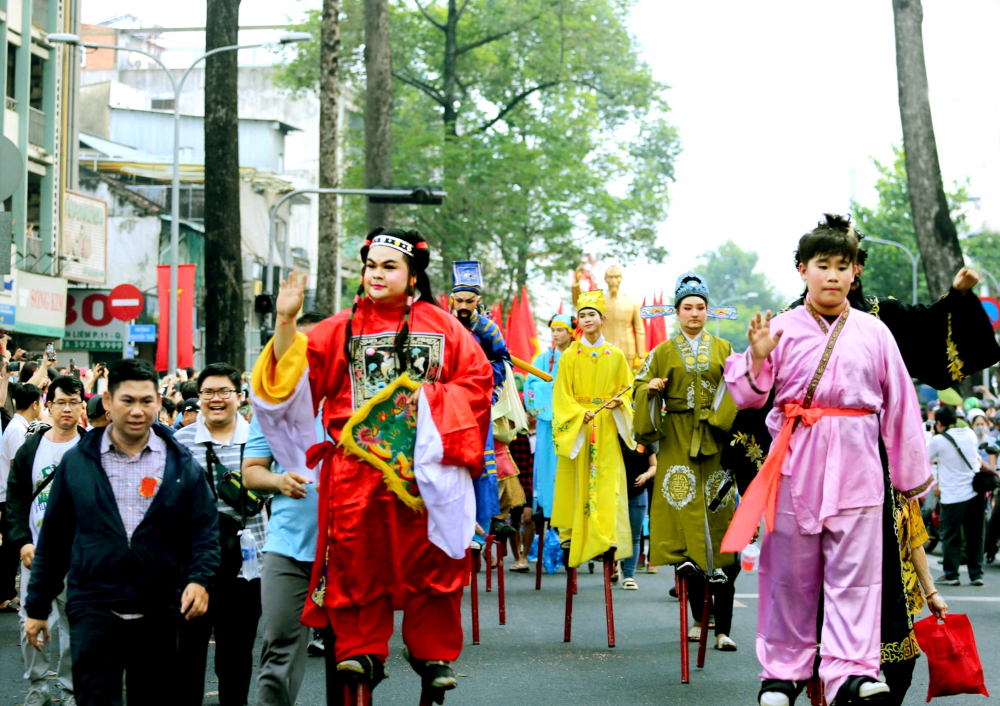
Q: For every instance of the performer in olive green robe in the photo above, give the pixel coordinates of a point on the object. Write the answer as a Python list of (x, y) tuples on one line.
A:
[(681, 402)]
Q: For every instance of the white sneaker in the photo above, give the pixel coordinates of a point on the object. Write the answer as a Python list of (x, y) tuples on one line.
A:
[(38, 696), (872, 689), (773, 698)]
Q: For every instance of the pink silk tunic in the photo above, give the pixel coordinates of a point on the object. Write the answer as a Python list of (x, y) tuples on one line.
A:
[(835, 464)]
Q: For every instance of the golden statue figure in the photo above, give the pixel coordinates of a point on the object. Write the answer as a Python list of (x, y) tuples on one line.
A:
[(624, 327)]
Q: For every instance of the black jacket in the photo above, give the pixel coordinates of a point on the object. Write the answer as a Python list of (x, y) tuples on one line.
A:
[(176, 543), (20, 489)]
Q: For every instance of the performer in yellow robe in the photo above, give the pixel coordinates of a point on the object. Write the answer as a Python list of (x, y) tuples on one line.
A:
[(590, 507)]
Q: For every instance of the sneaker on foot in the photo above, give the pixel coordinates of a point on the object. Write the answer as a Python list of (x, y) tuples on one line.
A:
[(629, 584), (978, 581), (316, 646), (942, 581), (38, 696), (718, 576)]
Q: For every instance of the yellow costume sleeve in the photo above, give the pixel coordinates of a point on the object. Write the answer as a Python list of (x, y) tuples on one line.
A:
[(918, 532), (567, 413), (274, 381)]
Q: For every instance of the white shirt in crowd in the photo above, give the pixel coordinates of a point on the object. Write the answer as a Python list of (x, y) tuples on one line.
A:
[(47, 459), (13, 438), (953, 475)]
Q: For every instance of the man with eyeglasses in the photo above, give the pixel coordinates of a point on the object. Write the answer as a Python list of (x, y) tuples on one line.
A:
[(216, 440), (28, 495)]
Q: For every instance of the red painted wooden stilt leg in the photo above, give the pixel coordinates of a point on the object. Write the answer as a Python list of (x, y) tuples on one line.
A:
[(570, 590), (685, 653), (540, 533), (489, 563), (706, 613), (814, 690), (357, 693), (502, 602), (576, 584), (609, 561), (474, 594)]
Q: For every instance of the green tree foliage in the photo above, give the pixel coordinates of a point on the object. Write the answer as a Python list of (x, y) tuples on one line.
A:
[(732, 275), (984, 251), (888, 271), (557, 142)]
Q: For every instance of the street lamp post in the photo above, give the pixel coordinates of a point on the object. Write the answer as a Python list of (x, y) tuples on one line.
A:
[(74, 40), (742, 297), (914, 259)]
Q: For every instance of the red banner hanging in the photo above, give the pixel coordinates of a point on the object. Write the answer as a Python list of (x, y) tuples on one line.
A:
[(185, 316)]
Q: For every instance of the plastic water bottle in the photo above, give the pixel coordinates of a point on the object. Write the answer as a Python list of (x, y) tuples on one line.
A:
[(749, 557), (248, 550)]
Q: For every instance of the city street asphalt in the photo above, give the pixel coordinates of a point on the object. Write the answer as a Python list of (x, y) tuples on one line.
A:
[(526, 661)]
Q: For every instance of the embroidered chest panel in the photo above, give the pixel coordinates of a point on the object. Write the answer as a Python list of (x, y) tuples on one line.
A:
[(373, 362), (695, 363)]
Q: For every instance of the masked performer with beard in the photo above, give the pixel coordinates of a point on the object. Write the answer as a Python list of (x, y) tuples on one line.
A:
[(377, 553), (498, 489), (941, 344)]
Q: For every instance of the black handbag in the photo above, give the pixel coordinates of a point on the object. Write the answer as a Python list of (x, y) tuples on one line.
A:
[(235, 496), (982, 481)]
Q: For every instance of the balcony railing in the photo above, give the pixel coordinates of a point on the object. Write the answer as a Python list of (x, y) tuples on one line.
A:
[(10, 103), (36, 127), (32, 253)]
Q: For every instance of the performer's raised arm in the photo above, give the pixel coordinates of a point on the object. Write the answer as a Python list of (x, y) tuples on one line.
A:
[(750, 376)]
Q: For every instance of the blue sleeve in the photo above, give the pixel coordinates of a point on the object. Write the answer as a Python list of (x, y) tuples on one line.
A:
[(257, 446)]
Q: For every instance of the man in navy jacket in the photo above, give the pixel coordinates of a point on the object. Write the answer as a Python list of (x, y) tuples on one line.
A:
[(131, 524)]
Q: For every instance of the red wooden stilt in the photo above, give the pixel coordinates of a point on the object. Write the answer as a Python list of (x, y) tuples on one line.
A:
[(502, 602), (570, 590), (357, 693), (706, 613), (576, 583), (489, 563), (609, 561), (474, 594), (685, 653), (814, 689), (540, 533)]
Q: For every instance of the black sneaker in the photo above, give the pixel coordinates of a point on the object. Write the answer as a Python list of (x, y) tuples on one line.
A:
[(434, 674), (501, 530), (316, 647), (363, 668), (942, 581), (978, 581)]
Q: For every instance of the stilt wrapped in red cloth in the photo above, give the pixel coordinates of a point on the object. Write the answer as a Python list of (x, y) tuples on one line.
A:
[(682, 595), (706, 615), (570, 590), (609, 562), (474, 593), (502, 597)]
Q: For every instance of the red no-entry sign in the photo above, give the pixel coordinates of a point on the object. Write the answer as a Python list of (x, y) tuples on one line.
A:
[(992, 308), (125, 302)]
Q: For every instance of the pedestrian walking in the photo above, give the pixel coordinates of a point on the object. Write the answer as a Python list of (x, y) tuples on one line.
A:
[(216, 440), (31, 473), (954, 451), (134, 568)]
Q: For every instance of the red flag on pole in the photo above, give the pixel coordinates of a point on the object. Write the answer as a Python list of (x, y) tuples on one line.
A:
[(443, 300), (517, 339), (560, 307), (185, 316), (497, 314), (528, 322)]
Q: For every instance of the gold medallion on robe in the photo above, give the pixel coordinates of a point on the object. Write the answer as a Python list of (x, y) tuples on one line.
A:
[(679, 486)]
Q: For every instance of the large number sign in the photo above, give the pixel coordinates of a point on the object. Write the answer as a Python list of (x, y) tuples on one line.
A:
[(90, 325)]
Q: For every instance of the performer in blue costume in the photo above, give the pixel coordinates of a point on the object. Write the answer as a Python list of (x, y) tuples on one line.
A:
[(538, 402), (467, 287)]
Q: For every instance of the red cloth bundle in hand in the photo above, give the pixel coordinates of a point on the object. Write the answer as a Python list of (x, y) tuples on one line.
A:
[(952, 657)]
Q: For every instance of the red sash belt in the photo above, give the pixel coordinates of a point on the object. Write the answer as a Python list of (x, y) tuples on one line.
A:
[(762, 495)]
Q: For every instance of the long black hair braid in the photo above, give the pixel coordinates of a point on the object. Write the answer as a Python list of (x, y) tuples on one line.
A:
[(416, 268)]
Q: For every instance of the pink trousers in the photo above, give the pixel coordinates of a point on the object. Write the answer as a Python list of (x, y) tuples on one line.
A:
[(844, 561)]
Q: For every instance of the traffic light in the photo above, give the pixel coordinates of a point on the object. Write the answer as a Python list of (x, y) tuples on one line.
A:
[(263, 304), (419, 195)]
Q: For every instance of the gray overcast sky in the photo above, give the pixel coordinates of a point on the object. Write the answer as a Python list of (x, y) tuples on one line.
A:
[(776, 102)]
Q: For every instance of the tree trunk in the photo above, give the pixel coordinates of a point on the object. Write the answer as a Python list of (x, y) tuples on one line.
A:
[(449, 71), (224, 319), (329, 98), (937, 237), (378, 108)]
